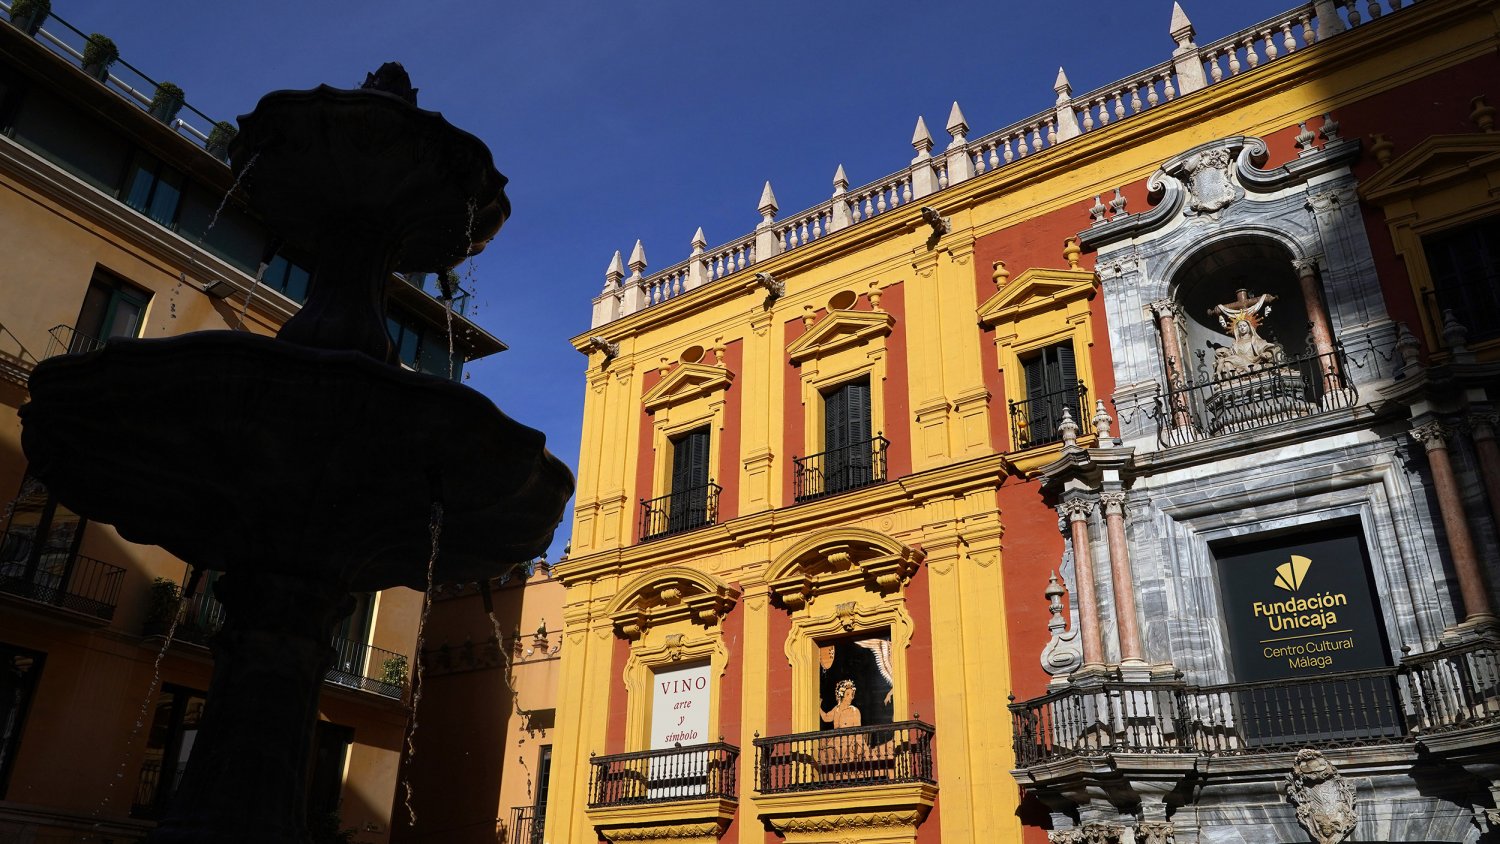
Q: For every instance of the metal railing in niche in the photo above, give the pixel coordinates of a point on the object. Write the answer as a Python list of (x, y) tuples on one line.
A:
[(1207, 406), (1443, 690), (59, 578), (526, 825), (680, 510), (841, 469), (1475, 306), (846, 758), (1034, 422), (657, 776)]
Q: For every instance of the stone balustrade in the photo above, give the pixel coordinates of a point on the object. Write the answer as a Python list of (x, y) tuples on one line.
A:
[(1190, 68)]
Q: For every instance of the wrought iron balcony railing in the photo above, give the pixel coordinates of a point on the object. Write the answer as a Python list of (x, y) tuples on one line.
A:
[(680, 511), (841, 469), (1294, 389), (368, 668), (657, 776), (59, 578), (67, 340), (526, 825), (1444, 690), (1034, 422), (846, 758)]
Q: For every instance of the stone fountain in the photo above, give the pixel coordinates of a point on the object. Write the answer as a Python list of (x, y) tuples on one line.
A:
[(310, 465)]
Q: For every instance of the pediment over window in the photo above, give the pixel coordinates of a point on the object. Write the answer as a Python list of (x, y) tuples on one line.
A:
[(688, 381), (1037, 290), (838, 330), (1433, 163), (668, 595), (836, 560)]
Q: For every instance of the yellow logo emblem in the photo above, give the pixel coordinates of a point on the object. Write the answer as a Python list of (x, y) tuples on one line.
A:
[(1289, 575)]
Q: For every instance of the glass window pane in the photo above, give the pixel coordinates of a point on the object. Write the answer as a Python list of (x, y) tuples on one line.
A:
[(138, 190), (296, 283), (164, 202)]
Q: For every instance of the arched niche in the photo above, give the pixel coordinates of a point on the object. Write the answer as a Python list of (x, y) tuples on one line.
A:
[(1215, 273)]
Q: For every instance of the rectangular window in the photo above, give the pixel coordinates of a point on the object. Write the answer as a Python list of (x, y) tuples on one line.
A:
[(174, 728), (40, 545), (1465, 266), (20, 670), (690, 486), (286, 278), (848, 448), (111, 308), (154, 189), (1051, 381), (325, 780), (420, 347)]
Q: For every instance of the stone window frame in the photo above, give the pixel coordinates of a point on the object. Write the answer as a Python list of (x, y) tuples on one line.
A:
[(841, 583), (672, 618), (691, 396), (843, 346)]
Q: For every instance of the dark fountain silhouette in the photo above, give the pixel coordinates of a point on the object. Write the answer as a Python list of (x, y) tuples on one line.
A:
[(311, 465)]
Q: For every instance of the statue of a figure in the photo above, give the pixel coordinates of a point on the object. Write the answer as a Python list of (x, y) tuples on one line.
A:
[(1249, 352)]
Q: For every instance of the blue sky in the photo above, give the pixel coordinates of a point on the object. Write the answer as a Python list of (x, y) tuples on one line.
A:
[(646, 119)]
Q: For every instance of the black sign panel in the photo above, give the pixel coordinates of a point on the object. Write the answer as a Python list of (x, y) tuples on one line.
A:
[(1300, 606)]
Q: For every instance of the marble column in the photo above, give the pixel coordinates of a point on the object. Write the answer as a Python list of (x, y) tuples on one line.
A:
[(1167, 313), (1434, 436), (1076, 511), (1126, 624), (1483, 427), (1317, 317)]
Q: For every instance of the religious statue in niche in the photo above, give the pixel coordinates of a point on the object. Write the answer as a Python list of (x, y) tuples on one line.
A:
[(1249, 352)]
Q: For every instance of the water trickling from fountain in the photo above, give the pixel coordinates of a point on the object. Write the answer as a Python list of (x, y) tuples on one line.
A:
[(260, 273), (435, 528), (141, 714), (214, 220)]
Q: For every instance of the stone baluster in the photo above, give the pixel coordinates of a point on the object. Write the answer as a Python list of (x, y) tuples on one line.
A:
[(1317, 317), (1076, 511), (923, 178), (1127, 626), (767, 244), (840, 217), (636, 295), (960, 162), (1067, 121), (697, 274), (1167, 313), (1434, 436), (1482, 425)]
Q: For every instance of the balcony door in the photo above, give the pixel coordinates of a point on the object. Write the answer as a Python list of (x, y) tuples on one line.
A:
[(1051, 385), (111, 308), (848, 455), (40, 544), (689, 504)]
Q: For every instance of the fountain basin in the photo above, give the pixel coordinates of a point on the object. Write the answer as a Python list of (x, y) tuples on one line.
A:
[(236, 451)]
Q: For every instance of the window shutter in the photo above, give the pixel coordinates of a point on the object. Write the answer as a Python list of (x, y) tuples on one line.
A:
[(1036, 376), (1068, 373), (690, 460), (858, 411), (836, 419)]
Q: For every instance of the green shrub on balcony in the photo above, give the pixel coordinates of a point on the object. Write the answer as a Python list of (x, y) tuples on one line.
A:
[(99, 53), (395, 671), (162, 603), (29, 15), (167, 101)]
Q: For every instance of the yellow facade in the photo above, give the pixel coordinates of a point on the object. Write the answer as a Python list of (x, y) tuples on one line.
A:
[(922, 555)]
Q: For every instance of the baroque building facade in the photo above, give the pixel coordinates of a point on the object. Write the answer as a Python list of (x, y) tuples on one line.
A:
[(1165, 413), (118, 222)]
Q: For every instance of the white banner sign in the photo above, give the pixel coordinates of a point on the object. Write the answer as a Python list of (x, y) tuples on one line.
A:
[(679, 707)]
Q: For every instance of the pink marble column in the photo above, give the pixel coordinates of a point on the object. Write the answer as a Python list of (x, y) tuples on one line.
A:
[(1167, 313), (1126, 623), (1317, 316), (1471, 584), (1483, 426), (1076, 511)]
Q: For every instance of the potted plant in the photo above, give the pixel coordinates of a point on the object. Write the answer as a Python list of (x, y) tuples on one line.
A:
[(394, 671), (162, 604), (98, 54), (219, 138), (29, 15), (166, 102)]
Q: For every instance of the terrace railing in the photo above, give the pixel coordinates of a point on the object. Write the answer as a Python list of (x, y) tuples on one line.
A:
[(841, 469), (680, 510), (59, 578), (850, 757), (1293, 389), (1441, 691), (657, 776)]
